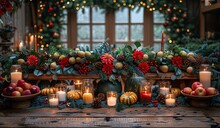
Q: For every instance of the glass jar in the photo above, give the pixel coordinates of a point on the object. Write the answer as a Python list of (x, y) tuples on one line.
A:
[(78, 84), (145, 92), (111, 98), (16, 73), (164, 87), (205, 75), (53, 100), (170, 100), (88, 91)]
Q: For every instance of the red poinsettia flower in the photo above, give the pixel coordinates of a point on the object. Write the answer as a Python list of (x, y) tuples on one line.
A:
[(143, 67), (138, 55), (32, 60), (177, 61), (1, 13), (107, 69), (107, 58), (8, 6), (64, 62)]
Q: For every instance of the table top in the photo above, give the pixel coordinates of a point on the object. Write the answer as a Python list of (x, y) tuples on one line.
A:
[(108, 117)]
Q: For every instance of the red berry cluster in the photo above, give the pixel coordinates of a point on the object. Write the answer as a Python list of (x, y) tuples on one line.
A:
[(153, 63), (84, 69)]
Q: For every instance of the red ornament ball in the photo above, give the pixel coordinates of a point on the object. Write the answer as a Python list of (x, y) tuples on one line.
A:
[(165, 24), (50, 9), (50, 24)]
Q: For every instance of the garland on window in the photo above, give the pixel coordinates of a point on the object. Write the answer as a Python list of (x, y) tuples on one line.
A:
[(50, 12)]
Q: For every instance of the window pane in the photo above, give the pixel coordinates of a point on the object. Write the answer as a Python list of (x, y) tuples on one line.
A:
[(158, 32), (137, 15), (83, 17), (98, 15), (83, 45), (63, 35), (95, 45), (136, 32), (121, 16), (83, 32), (158, 17), (98, 33), (121, 32), (64, 18)]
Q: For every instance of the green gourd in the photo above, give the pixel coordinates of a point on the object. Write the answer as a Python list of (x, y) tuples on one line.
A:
[(132, 84)]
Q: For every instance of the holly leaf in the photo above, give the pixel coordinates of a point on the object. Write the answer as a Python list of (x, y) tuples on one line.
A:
[(38, 72), (137, 44)]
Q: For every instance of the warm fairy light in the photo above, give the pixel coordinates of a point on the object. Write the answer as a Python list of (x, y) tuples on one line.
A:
[(180, 10), (170, 41), (164, 5), (77, 8), (150, 9), (73, 0), (141, 2), (119, 5), (174, 8), (139, 5), (68, 2), (148, 6), (83, 6), (41, 30), (132, 6), (150, 0), (41, 37), (160, 9), (153, 8), (84, 2), (114, 1), (152, 4), (61, 1), (187, 30), (129, 5), (41, 5), (47, 45), (124, 4), (42, 46), (47, 25), (64, 7), (77, 4), (54, 14), (180, 1), (144, 4)]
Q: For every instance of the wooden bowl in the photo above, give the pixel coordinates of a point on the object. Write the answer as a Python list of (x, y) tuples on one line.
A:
[(199, 101), (21, 101)]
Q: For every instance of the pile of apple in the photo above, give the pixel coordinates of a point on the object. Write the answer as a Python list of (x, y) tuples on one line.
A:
[(198, 89), (20, 88)]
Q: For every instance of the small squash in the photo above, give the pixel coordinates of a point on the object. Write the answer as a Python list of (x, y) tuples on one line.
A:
[(47, 91), (175, 91), (128, 98), (133, 83), (74, 94)]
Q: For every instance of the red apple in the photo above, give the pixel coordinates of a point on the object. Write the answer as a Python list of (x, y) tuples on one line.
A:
[(26, 92), (187, 90), (34, 89), (193, 93), (4, 91), (200, 91), (9, 90), (16, 93), (211, 91), (20, 83), (13, 85), (196, 85), (19, 89), (26, 86)]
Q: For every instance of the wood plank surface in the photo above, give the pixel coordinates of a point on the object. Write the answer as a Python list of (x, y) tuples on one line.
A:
[(108, 117)]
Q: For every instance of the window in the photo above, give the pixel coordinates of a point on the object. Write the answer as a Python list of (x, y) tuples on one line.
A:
[(129, 25), (93, 26), (90, 27)]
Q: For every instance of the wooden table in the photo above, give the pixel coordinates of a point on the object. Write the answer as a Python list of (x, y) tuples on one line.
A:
[(108, 117)]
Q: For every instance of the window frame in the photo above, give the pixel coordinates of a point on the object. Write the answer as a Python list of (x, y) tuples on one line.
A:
[(148, 32)]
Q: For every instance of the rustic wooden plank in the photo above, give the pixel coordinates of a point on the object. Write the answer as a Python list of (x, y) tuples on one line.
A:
[(110, 112), (199, 122)]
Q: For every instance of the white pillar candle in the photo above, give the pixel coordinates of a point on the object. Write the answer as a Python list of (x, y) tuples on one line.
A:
[(15, 76), (61, 95), (111, 101), (205, 78), (53, 102), (87, 98), (21, 45), (164, 90), (206, 2), (170, 102)]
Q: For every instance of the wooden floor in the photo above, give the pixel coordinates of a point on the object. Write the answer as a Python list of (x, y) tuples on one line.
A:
[(108, 117)]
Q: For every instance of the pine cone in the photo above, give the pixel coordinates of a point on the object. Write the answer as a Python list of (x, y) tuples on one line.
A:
[(199, 60), (161, 98), (97, 103), (192, 59), (187, 63), (120, 57), (98, 65)]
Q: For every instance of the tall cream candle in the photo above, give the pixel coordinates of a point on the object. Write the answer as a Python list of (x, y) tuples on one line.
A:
[(164, 90), (205, 78), (15, 76)]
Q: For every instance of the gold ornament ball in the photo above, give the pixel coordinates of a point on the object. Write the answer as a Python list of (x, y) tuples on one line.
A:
[(72, 60), (118, 65), (160, 54), (190, 54), (20, 61), (87, 53), (81, 54), (189, 70), (56, 55), (183, 53), (53, 65), (145, 57), (56, 35), (170, 57), (61, 57)]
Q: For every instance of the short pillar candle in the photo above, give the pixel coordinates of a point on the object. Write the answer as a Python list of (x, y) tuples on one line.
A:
[(170, 100), (205, 75), (111, 98), (16, 73), (53, 100), (61, 95)]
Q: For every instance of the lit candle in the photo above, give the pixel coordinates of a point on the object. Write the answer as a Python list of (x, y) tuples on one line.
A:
[(111, 101), (32, 42), (61, 95), (78, 84), (87, 97), (205, 78), (170, 101), (111, 98), (206, 2), (21, 45), (15, 76), (145, 97), (162, 41), (53, 102), (164, 90)]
